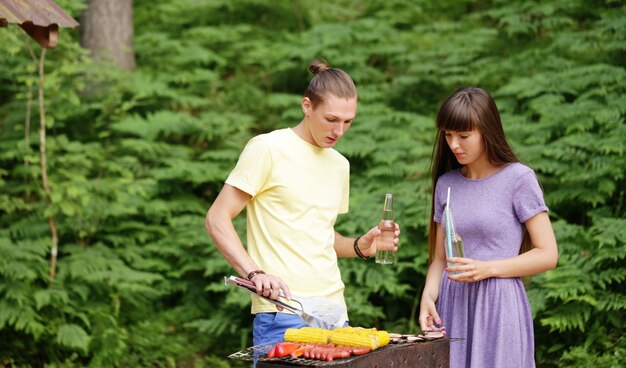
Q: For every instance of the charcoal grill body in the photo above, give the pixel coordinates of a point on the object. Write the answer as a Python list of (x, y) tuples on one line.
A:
[(431, 354)]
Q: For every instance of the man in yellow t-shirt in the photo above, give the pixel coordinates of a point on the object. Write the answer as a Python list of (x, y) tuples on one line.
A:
[(294, 184)]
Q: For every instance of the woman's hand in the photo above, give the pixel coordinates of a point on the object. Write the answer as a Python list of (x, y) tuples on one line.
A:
[(468, 270), (429, 318)]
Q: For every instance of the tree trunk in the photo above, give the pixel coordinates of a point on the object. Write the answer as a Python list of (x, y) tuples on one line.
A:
[(107, 30)]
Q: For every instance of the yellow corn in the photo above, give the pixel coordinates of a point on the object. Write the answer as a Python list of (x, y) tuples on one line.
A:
[(348, 336), (360, 337), (383, 338), (308, 334), (355, 330), (344, 329), (354, 339)]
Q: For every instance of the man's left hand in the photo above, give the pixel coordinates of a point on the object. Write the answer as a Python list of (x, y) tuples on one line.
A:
[(371, 241)]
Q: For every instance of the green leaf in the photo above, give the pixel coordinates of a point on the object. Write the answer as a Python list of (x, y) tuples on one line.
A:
[(73, 336)]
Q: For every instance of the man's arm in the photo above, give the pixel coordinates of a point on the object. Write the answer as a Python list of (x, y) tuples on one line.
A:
[(367, 243), (219, 224)]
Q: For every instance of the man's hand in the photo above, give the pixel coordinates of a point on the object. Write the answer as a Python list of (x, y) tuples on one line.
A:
[(271, 286), (371, 241)]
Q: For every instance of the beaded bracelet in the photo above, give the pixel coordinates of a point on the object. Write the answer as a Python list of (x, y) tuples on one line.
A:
[(254, 273), (356, 248)]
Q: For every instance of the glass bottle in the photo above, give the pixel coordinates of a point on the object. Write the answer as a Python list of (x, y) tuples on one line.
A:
[(453, 241), (457, 242), (387, 228)]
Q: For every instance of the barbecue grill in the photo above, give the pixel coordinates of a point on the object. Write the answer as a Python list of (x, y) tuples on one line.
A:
[(427, 353)]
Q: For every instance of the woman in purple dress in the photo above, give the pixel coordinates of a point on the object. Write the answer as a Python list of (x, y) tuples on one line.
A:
[(499, 211)]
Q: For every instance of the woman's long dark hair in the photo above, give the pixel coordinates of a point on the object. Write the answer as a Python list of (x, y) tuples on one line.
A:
[(468, 108)]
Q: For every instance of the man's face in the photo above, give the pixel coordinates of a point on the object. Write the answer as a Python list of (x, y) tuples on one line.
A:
[(329, 120)]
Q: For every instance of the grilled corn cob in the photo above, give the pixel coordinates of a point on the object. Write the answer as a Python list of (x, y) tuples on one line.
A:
[(308, 334), (361, 338), (352, 339), (357, 330), (347, 336), (383, 338)]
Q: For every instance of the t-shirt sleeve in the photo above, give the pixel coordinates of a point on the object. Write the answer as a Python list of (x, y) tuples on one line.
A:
[(527, 197), (438, 203), (252, 172)]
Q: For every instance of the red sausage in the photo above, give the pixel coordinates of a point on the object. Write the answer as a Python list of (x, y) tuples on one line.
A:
[(360, 351)]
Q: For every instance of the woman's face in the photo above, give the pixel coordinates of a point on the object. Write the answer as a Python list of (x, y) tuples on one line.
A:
[(468, 147), (329, 120)]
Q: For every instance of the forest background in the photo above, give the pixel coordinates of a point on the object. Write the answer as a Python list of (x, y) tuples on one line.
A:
[(136, 154)]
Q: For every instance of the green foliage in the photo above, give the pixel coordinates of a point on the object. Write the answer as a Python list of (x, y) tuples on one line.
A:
[(136, 158), (72, 336)]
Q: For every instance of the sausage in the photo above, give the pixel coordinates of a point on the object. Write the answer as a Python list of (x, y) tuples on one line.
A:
[(335, 353), (310, 350), (360, 351), (317, 352), (329, 352), (326, 354), (307, 352)]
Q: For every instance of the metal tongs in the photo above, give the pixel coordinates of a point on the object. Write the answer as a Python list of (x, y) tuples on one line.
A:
[(250, 287)]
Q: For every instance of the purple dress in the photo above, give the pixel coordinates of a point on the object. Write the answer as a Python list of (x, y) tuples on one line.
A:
[(492, 316)]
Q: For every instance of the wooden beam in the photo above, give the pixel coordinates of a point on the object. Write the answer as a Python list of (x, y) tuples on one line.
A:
[(47, 37)]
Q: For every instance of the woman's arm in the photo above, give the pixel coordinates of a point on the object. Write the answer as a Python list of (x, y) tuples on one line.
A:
[(428, 316), (542, 257)]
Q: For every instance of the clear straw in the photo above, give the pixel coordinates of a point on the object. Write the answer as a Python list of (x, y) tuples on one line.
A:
[(448, 224)]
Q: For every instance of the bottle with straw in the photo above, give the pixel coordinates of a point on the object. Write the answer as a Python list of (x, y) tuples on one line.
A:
[(453, 243)]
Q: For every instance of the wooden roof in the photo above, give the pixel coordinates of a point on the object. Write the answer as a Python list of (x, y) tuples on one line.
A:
[(41, 19)]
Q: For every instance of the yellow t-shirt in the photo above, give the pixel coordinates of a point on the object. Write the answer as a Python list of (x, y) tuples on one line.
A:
[(297, 190)]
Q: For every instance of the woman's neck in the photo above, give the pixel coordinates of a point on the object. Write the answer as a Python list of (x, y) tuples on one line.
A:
[(479, 170)]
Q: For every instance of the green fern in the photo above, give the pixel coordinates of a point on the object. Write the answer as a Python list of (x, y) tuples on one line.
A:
[(135, 163)]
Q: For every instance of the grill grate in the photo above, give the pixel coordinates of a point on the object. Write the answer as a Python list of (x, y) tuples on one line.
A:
[(259, 353)]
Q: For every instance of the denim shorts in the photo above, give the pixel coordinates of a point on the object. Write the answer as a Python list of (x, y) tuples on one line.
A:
[(271, 327)]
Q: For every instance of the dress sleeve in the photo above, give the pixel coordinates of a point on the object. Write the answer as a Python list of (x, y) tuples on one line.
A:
[(528, 197), (252, 172)]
